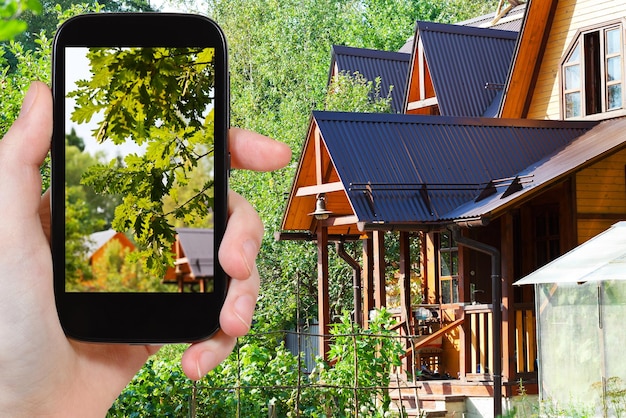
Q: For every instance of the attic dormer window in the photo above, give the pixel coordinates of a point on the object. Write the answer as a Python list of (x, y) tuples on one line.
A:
[(592, 73)]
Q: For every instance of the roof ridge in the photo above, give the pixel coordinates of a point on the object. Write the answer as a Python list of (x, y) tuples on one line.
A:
[(355, 117), (370, 53), (465, 30)]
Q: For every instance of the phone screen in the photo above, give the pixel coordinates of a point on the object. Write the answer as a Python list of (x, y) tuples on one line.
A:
[(139, 169)]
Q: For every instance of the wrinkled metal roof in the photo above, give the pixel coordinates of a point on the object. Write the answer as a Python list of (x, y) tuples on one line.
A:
[(605, 137), (198, 245), (410, 169), (463, 61), (391, 67)]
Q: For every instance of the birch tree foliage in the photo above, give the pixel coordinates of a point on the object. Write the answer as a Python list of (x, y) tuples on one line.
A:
[(161, 99)]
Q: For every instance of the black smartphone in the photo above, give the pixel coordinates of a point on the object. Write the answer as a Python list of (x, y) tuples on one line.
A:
[(139, 176)]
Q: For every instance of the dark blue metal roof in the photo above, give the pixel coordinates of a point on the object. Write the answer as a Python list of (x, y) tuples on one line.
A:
[(462, 61), (391, 67), (412, 169)]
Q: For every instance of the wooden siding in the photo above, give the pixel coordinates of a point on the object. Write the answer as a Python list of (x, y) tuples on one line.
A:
[(601, 195), (570, 16), (420, 84)]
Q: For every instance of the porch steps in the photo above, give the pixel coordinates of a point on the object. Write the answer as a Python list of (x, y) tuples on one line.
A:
[(456, 388), (423, 404), (431, 406)]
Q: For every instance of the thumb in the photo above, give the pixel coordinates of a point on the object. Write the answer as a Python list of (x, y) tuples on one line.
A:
[(22, 150)]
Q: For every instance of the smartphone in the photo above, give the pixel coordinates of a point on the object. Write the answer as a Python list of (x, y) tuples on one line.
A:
[(139, 176)]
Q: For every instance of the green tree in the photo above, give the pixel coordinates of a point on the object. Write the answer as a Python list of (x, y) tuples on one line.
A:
[(45, 21), (257, 376), (241, 384), (31, 65), (111, 272), (11, 13), (73, 139), (79, 223), (355, 93), (20, 65), (86, 212), (78, 162)]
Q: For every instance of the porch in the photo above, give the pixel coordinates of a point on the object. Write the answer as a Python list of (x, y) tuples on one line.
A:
[(425, 382), (454, 344)]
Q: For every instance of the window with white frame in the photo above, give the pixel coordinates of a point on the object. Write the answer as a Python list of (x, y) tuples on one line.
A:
[(448, 268), (592, 73)]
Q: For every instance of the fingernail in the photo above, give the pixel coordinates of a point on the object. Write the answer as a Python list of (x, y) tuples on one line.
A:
[(249, 252), (244, 309), (205, 362), (29, 99)]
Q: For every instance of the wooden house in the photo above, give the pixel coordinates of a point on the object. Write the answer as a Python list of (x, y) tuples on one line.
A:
[(491, 199), (98, 241), (194, 260)]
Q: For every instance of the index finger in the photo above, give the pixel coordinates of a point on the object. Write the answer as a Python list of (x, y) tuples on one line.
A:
[(253, 151)]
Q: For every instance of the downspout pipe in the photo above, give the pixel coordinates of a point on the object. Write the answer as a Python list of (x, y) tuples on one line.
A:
[(496, 301), (356, 282)]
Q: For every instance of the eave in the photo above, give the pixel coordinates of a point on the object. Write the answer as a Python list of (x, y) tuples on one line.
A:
[(316, 175)]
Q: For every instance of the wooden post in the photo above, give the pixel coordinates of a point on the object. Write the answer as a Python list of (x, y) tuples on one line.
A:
[(380, 293), (423, 237), (508, 314), (405, 293), (464, 344), (322, 290), (405, 277), (368, 280)]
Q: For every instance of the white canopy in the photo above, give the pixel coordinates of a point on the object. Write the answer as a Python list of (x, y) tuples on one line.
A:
[(601, 258)]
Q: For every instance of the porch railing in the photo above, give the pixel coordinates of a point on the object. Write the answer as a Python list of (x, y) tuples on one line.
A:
[(479, 328), (480, 320), (525, 336)]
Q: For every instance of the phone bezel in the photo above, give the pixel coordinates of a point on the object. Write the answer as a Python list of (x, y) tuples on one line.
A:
[(141, 318)]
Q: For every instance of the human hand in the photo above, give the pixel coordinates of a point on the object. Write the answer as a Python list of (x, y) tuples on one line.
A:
[(43, 372)]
